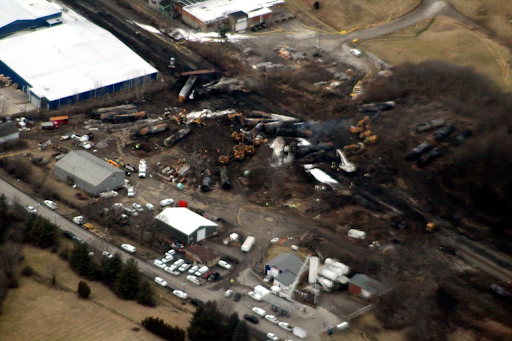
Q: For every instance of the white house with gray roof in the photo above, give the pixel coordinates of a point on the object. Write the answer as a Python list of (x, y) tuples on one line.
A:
[(285, 268)]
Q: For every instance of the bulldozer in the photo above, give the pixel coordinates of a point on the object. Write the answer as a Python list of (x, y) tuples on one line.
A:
[(238, 137), (199, 120), (430, 227), (354, 149), (181, 117)]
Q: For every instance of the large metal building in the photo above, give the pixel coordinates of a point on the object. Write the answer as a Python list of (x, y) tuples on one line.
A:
[(184, 225), (88, 172), (20, 15), (63, 64)]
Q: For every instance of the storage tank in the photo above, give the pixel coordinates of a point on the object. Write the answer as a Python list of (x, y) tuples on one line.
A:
[(327, 284), (328, 261), (336, 270), (328, 274), (342, 326), (341, 266), (313, 268)]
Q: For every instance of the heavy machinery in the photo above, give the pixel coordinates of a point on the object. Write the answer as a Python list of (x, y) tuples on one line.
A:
[(236, 117), (430, 227), (224, 159), (344, 163), (355, 149), (238, 137), (180, 118), (199, 120), (362, 128), (239, 152), (113, 163)]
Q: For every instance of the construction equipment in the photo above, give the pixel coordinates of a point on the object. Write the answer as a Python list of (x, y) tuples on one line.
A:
[(238, 137), (355, 149), (180, 118), (430, 227), (199, 120), (372, 139), (113, 163), (344, 163), (236, 117), (224, 159), (361, 127), (239, 152)]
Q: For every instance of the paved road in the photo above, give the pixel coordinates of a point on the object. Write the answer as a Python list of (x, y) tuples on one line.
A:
[(312, 321)]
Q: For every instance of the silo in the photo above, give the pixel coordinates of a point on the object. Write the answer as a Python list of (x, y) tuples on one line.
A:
[(313, 268)]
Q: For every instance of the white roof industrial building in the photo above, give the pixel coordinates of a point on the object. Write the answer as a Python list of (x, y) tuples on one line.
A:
[(12, 11), (89, 172), (73, 61), (185, 225)]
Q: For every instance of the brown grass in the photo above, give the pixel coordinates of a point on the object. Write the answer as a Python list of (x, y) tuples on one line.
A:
[(449, 41), (349, 14), (35, 311)]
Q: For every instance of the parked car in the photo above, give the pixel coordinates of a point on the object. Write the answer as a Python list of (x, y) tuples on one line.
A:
[(184, 267), (259, 311), (167, 259), (254, 295), (196, 302), (201, 271), (272, 319), (30, 209), (150, 207), (251, 318), (180, 294), (50, 204), (68, 234), (107, 254), (179, 262), (171, 271), (138, 207), (207, 274), (131, 192), (237, 297), (224, 264), (356, 53), (285, 326), (171, 252), (274, 240), (129, 248), (228, 293), (79, 220), (159, 264), (213, 277), (78, 240), (166, 202), (272, 337), (193, 269), (160, 281), (194, 280)]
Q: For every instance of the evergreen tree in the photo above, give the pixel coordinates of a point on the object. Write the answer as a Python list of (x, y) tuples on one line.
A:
[(146, 296), (241, 332), (83, 289), (40, 232), (231, 325), (127, 283), (111, 268), (80, 262), (207, 324)]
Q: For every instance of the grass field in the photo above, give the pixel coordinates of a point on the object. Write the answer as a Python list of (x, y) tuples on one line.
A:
[(447, 40), (349, 14), (495, 15), (37, 312)]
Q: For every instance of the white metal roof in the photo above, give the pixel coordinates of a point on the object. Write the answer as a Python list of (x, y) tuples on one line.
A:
[(12, 10), (183, 219), (258, 12), (213, 10), (71, 58)]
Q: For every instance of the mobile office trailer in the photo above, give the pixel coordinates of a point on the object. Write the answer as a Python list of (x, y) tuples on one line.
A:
[(248, 243)]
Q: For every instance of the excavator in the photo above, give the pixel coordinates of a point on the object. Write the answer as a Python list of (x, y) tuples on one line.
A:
[(181, 117), (199, 120), (238, 137), (239, 152), (236, 117), (355, 149)]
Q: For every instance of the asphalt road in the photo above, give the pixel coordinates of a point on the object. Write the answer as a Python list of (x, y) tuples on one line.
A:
[(313, 321)]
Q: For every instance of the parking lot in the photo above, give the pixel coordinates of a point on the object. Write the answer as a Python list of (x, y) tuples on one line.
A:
[(14, 101)]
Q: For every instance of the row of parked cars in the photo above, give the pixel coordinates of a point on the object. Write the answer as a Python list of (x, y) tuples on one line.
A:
[(271, 318)]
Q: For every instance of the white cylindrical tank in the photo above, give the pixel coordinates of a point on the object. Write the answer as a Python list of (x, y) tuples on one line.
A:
[(327, 284), (328, 274), (328, 261), (313, 268), (341, 266), (342, 326), (335, 269)]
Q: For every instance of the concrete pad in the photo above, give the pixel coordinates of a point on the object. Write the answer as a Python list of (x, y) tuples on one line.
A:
[(14, 101)]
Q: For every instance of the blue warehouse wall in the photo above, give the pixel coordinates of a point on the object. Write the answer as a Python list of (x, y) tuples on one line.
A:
[(8, 72), (20, 25)]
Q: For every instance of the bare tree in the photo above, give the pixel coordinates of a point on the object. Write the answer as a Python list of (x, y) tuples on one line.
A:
[(53, 271)]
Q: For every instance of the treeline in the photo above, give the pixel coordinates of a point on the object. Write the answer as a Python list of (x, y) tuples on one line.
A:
[(166, 331), (123, 279), (16, 227), (208, 323)]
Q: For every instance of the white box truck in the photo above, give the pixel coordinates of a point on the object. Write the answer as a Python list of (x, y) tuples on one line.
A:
[(260, 290), (248, 243), (299, 332)]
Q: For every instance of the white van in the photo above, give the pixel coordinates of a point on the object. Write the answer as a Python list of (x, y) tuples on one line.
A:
[(129, 248), (259, 311)]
